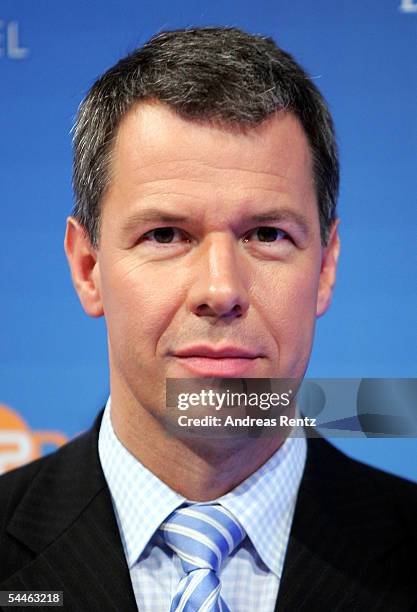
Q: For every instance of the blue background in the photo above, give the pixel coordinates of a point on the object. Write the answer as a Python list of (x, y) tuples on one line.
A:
[(362, 55)]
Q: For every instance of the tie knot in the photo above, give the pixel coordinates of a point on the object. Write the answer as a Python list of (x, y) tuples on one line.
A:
[(202, 535)]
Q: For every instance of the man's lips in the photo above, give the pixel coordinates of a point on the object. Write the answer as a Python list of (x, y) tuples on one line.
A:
[(217, 352), (224, 361)]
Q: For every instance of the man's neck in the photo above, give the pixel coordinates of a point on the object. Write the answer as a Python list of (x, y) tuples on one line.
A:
[(198, 468)]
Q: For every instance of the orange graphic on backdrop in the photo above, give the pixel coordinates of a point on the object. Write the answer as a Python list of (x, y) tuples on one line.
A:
[(18, 443)]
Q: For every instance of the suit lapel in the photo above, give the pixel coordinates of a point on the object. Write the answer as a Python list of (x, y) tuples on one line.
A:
[(67, 521), (310, 573), (335, 555)]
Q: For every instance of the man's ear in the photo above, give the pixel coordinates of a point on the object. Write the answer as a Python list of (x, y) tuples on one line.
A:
[(82, 259), (330, 255)]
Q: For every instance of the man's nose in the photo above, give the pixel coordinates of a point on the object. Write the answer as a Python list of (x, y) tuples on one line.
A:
[(219, 288)]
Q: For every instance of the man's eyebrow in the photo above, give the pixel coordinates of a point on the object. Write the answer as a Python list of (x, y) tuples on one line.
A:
[(273, 215), (151, 215), (278, 215)]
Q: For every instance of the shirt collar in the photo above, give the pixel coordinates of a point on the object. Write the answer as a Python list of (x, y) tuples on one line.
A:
[(140, 499), (263, 503)]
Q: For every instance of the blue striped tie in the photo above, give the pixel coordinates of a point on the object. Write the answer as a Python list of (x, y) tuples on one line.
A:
[(202, 536)]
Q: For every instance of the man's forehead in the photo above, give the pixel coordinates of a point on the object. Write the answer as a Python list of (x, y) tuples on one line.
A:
[(166, 169), (154, 141)]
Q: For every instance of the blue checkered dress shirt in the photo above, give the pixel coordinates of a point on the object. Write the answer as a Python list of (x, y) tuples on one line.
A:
[(263, 503)]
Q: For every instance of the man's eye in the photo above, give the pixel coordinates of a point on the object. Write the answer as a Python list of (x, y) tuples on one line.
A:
[(164, 235), (266, 234)]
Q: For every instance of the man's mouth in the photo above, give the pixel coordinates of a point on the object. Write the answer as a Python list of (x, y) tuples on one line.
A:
[(221, 361)]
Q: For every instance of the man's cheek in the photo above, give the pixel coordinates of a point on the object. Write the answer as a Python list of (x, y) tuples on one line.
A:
[(301, 306), (294, 316)]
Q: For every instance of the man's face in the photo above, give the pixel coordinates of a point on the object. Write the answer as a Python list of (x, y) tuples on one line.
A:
[(210, 261)]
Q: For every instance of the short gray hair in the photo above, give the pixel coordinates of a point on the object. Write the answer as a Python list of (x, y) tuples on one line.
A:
[(220, 75)]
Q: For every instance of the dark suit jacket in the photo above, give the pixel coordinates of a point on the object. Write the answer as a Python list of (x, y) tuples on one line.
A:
[(352, 547)]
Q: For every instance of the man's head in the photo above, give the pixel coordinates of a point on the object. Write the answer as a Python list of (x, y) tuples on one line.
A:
[(217, 243), (210, 75)]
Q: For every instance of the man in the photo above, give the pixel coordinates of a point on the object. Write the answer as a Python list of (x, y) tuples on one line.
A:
[(205, 231)]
